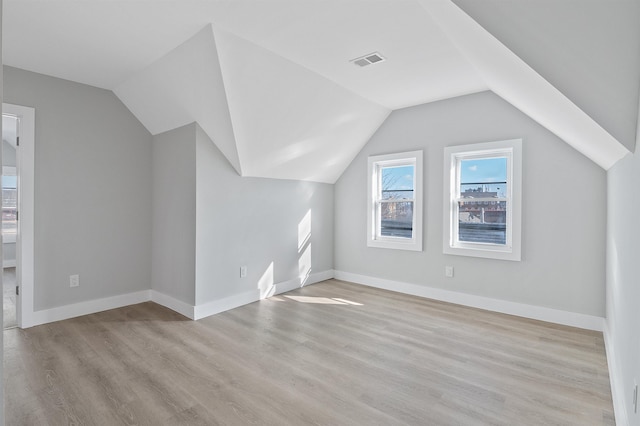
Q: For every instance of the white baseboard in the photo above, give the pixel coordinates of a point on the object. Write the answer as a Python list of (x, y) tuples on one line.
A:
[(617, 388), (211, 308), (85, 308), (172, 303), (214, 307), (193, 312), (225, 304), (572, 319), (317, 277)]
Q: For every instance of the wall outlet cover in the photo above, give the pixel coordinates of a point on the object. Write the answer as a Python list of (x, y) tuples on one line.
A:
[(448, 271)]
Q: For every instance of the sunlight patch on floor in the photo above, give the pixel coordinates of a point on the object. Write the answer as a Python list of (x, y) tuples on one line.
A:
[(322, 300)]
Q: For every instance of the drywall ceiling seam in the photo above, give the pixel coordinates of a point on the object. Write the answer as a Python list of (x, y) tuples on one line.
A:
[(512, 79)]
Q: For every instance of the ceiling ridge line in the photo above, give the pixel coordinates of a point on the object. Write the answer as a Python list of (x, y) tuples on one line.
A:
[(234, 34)]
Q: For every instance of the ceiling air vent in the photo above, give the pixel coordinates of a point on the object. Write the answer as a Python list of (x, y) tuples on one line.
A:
[(369, 59)]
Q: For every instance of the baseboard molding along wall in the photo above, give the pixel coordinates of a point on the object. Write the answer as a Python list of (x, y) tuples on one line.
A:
[(85, 308), (556, 316), (617, 390), (193, 312), (214, 307), (172, 303), (573, 319)]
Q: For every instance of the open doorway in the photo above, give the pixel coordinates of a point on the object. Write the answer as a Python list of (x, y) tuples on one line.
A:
[(18, 149), (10, 124)]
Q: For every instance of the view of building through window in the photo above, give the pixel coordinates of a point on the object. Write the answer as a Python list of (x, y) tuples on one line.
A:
[(482, 205), (396, 201)]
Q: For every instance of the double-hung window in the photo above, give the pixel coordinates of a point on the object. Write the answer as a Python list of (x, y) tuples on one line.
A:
[(394, 218), (482, 201)]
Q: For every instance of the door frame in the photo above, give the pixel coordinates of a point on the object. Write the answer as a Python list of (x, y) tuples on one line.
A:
[(25, 168)]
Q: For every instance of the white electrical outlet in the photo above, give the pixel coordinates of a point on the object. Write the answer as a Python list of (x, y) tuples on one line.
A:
[(74, 280), (448, 271), (243, 272)]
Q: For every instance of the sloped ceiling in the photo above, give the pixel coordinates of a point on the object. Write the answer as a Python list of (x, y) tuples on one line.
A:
[(588, 52), (184, 86), (291, 123), (272, 84), (514, 80)]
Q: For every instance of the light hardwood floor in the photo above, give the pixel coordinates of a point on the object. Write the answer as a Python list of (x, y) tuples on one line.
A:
[(332, 354), (9, 297)]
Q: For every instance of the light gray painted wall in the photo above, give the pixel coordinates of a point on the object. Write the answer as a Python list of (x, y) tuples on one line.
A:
[(623, 270), (174, 213), (254, 222), (588, 51), (564, 213), (92, 190)]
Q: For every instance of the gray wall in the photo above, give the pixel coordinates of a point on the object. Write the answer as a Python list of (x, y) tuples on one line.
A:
[(92, 190), (623, 270), (174, 213), (208, 222), (254, 222), (563, 245)]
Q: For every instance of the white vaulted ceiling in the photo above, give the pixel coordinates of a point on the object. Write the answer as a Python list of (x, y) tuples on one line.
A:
[(272, 84)]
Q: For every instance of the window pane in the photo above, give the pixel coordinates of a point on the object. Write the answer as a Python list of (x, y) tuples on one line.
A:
[(396, 219), (484, 178), (483, 200), (482, 222), (397, 183)]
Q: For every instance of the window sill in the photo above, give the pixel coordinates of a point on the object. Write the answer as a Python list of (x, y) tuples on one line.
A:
[(484, 251), (410, 245)]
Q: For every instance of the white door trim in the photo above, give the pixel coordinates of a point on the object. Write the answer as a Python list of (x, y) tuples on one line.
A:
[(25, 160)]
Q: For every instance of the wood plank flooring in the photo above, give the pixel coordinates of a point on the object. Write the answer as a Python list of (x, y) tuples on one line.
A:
[(329, 354), (9, 297)]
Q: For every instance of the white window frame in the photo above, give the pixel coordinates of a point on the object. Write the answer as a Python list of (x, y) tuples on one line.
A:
[(453, 155), (376, 163)]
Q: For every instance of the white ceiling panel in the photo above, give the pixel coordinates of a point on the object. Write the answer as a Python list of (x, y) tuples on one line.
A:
[(182, 87), (289, 122)]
